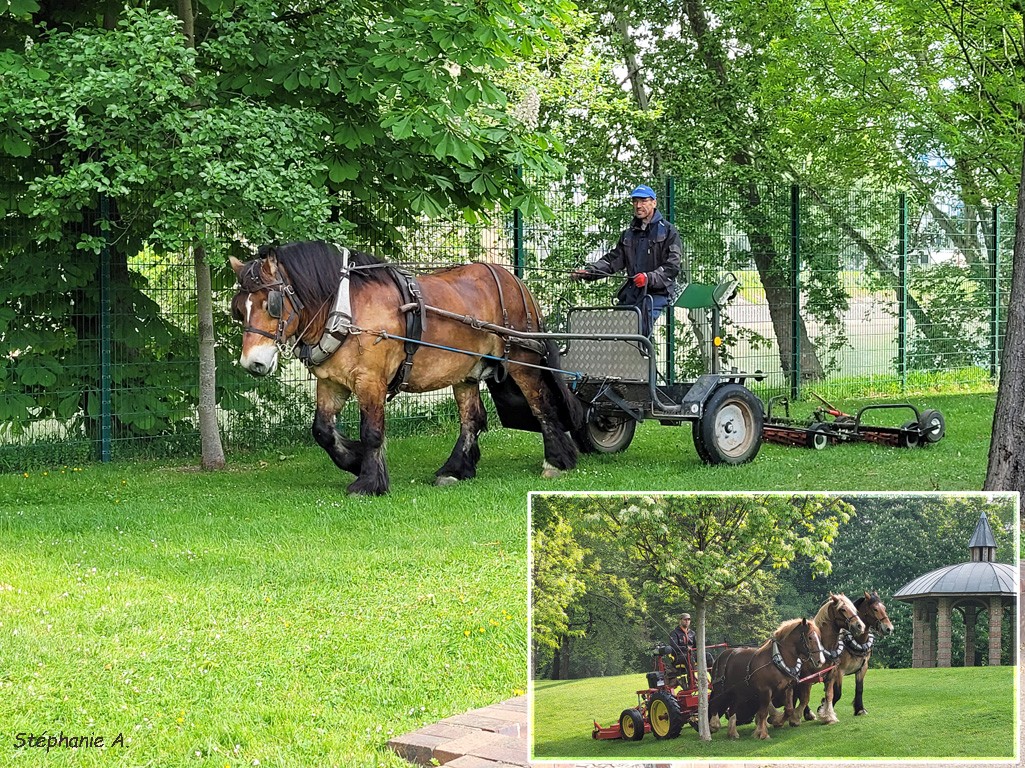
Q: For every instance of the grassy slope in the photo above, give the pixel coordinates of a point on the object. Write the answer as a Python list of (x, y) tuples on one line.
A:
[(260, 614), (913, 714)]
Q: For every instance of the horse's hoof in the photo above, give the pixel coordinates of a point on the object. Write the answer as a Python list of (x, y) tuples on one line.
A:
[(861, 712), (443, 480), (550, 473), (364, 489)]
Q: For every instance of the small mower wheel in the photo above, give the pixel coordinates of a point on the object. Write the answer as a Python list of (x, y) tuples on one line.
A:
[(730, 431), (817, 439), (664, 716), (631, 725), (605, 434), (932, 425), (908, 439)]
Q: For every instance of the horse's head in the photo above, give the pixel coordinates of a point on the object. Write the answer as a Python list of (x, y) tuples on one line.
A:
[(873, 613), (803, 639), (267, 307), (845, 614)]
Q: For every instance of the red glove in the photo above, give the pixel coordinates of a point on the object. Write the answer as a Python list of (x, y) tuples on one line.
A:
[(641, 279)]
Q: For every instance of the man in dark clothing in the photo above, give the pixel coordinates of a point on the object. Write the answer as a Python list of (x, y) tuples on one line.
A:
[(682, 642), (649, 251)]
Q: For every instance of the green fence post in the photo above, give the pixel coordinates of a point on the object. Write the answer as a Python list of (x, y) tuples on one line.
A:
[(994, 310), (670, 213), (105, 342), (519, 259), (795, 292), (902, 290)]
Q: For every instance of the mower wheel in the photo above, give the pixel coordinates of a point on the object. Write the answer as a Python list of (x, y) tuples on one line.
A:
[(817, 439), (730, 431), (932, 425), (664, 716), (631, 725), (605, 434), (908, 438)]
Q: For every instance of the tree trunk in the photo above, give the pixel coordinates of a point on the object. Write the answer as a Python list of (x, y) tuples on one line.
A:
[(704, 734), (564, 658), (776, 284), (209, 433), (212, 452), (1006, 470)]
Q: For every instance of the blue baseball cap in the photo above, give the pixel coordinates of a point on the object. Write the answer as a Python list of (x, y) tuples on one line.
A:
[(643, 191)]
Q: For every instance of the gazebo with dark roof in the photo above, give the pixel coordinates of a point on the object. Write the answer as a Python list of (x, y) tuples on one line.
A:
[(968, 587)]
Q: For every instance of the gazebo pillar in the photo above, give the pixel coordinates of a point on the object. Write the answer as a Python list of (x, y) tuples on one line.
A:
[(996, 616), (971, 615), (943, 645), (923, 642)]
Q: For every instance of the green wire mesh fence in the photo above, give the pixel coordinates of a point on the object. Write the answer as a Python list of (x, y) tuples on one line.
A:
[(98, 352)]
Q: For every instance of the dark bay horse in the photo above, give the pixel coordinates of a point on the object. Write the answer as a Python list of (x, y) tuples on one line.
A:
[(854, 659), (746, 682), (345, 313)]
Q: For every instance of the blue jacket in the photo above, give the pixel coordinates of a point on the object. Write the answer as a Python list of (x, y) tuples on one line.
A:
[(654, 249)]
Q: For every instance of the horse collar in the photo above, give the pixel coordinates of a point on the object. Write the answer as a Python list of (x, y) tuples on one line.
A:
[(860, 649), (338, 324), (781, 665)]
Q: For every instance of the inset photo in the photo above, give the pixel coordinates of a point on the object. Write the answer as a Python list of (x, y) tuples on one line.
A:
[(773, 626)]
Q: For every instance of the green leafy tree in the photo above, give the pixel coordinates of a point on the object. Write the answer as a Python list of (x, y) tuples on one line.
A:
[(709, 547), (212, 125)]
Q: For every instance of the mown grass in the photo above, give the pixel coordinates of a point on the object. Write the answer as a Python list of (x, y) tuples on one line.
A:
[(912, 714), (259, 614)]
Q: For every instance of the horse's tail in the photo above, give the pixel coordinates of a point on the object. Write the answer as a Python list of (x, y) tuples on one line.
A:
[(568, 406)]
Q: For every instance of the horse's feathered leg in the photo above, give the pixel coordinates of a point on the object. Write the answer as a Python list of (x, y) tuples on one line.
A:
[(346, 454), (473, 419), (373, 474), (859, 687), (560, 450)]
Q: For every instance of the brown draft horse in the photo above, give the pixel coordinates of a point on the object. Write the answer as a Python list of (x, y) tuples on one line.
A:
[(746, 682), (857, 649), (291, 294), (836, 619)]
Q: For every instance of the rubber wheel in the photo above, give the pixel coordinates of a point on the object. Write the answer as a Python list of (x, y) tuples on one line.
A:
[(664, 716), (932, 424), (730, 432), (908, 439), (816, 438), (605, 434), (631, 725)]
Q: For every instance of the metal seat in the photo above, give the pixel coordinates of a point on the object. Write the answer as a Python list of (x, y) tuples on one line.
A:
[(613, 358)]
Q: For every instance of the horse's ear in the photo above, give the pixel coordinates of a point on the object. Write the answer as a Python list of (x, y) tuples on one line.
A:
[(270, 263), (236, 265)]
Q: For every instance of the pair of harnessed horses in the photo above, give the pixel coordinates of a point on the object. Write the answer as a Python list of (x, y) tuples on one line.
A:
[(750, 683)]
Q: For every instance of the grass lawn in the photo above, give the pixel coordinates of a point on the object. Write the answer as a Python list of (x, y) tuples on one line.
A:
[(912, 714), (259, 614)]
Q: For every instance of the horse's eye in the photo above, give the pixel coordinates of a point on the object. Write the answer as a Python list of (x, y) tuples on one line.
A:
[(236, 313)]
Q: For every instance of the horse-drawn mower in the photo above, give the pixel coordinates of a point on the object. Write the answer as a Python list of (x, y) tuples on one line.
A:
[(829, 425), (662, 710)]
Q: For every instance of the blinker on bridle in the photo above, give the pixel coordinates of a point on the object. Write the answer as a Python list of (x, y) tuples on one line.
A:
[(275, 303)]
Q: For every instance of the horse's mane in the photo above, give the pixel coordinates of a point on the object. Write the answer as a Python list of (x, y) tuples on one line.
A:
[(823, 613), (786, 628), (313, 268)]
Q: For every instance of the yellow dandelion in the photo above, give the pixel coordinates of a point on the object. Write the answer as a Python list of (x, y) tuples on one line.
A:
[(466, 633)]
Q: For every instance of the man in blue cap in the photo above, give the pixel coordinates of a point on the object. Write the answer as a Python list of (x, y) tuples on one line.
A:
[(649, 251)]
